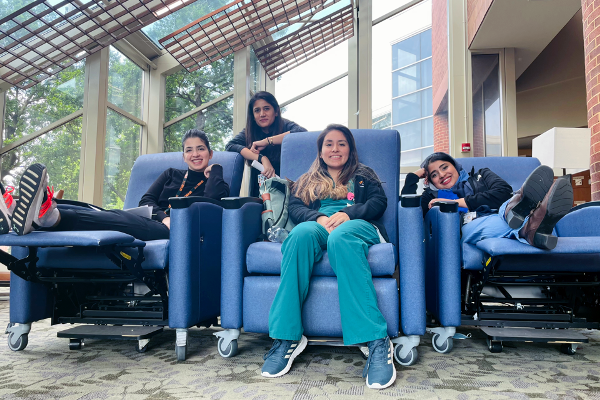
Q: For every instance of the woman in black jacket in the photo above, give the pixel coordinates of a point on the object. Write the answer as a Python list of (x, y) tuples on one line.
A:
[(337, 205), (37, 209), (261, 139), (489, 208)]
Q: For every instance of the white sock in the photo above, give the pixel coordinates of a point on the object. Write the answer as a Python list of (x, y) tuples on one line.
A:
[(51, 218)]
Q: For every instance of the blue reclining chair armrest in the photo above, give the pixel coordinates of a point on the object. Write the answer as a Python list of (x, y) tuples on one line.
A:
[(411, 259), (185, 202), (241, 228), (443, 264), (194, 264), (232, 203)]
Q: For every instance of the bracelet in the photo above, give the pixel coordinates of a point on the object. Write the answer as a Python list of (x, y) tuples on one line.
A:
[(270, 141)]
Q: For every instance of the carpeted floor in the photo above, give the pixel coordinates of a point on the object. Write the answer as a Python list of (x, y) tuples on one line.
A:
[(46, 369)]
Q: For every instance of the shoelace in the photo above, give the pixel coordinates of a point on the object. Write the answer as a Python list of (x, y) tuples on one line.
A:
[(276, 345), (48, 203), (8, 199), (377, 353)]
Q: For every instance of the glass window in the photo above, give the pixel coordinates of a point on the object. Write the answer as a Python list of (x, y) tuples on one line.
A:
[(216, 121), (412, 106), (121, 150), (59, 150), (391, 59), (320, 69), (169, 24), (254, 71), (125, 83), (28, 111), (487, 113), (188, 90), (317, 110)]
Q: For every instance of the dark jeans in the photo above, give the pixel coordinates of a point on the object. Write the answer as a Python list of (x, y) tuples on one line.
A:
[(81, 219)]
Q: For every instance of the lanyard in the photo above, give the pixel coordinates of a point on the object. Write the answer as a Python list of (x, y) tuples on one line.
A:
[(183, 184)]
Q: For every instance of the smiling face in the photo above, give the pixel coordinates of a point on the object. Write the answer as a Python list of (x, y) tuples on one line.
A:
[(442, 174), (335, 150), (196, 154), (264, 114)]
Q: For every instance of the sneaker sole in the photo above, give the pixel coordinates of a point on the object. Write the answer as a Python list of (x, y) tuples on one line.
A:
[(30, 198), (299, 349), (559, 204), (534, 190), (391, 381)]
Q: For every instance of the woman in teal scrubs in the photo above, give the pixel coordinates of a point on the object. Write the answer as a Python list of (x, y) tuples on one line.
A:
[(336, 205)]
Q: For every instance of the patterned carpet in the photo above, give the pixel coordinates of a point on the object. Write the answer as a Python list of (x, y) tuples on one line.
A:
[(46, 369)]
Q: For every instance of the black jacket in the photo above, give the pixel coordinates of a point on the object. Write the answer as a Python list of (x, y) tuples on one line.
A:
[(488, 190), (370, 204), (168, 184), (273, 153)]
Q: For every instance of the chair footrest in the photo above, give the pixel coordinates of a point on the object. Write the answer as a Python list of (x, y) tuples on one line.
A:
[(535, 335), (110, 332)]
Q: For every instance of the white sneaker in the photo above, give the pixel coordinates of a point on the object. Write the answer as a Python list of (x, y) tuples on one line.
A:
[(36, 207)]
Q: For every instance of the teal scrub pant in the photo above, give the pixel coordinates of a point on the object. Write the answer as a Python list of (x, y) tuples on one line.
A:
[(347, 246)]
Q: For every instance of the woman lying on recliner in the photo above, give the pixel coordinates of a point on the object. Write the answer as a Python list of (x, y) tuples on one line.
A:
[(336, 205), (485, 202), (36, 208)]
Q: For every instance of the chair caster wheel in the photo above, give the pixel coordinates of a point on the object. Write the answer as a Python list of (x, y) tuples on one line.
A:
[(410, 359), (75, 344), (568, 348), (17, 342), (446, 347), (230, 351), (494, 346), (181, 352)]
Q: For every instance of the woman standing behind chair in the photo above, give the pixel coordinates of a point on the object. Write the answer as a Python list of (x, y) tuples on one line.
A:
[(261, 139), (336, 205)]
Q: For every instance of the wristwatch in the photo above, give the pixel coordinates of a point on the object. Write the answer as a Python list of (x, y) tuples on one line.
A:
[(260, 157)]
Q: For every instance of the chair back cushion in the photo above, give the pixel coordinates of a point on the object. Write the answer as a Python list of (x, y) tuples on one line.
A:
[(513, 170), (147, 169), (378, 149)]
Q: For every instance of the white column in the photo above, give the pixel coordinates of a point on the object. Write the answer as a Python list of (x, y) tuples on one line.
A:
[(241, 96), (93, 135)]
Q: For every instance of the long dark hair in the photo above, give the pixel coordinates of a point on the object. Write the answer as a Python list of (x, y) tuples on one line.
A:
[(317, 183), (252, 128)]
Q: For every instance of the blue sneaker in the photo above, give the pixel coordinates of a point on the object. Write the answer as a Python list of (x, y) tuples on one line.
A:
[(279, 359), (379, 370)]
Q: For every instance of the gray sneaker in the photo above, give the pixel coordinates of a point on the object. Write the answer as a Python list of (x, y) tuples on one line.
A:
[(279, 359), (379, 369)]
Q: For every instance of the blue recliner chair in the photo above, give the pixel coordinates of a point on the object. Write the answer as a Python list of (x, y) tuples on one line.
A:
[(251, 269), (500, 283), (89, 277)]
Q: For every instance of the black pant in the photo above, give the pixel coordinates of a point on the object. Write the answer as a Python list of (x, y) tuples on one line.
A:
[(81, 219)]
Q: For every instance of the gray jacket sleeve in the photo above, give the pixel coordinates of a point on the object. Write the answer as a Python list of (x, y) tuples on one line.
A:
[(237, 143)]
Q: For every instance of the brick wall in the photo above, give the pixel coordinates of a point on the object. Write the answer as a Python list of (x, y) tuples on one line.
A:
[(441, 138), (439, 39), (591, 33), (476, 10)]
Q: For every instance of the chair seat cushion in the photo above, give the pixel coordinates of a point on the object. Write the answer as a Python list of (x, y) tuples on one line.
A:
[(265, 258), (64, 238), (156, 253), (572, 254)]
